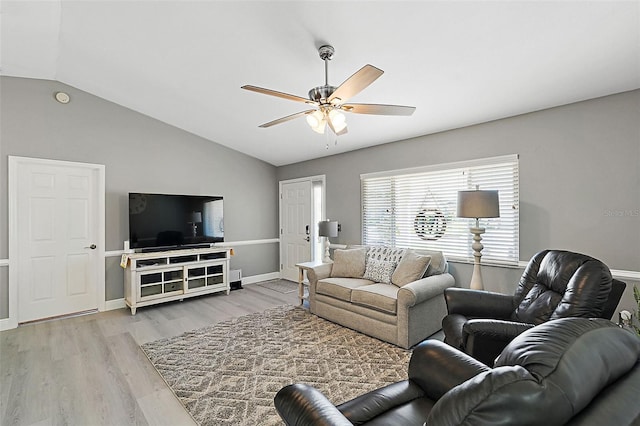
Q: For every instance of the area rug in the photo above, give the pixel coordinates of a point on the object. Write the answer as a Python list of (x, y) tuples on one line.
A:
[(228, 373), (281, 286)]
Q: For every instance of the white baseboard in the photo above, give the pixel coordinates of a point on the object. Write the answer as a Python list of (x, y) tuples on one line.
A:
[(110, 305), (259, 278), (8, 324)]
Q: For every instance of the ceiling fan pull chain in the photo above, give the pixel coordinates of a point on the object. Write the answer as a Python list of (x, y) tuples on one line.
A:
[(326, 138)]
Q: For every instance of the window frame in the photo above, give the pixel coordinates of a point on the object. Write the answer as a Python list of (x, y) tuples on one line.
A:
[(398, 189)]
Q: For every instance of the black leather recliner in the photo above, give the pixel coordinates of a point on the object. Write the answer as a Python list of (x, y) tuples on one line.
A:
[(573, 371), (555, 284)]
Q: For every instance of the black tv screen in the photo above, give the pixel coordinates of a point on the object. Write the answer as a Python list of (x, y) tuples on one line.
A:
[(164, 221)]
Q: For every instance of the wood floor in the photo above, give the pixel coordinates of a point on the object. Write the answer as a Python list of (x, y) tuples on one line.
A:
[(90, 370)]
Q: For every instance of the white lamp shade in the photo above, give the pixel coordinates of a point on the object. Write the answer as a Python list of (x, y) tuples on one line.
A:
[(196, 217), (328, 228), (478, 204), (314, 119), (338, 120)]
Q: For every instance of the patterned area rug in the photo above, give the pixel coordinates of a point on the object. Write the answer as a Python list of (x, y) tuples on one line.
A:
[(228, 373), (281, 286)]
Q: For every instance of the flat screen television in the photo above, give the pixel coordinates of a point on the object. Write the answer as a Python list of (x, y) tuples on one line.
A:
[(165, 221)]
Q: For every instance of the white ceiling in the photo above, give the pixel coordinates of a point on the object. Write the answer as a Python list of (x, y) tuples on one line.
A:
[(458, 62)]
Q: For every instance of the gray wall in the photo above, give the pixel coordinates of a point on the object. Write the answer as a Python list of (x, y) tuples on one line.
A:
[(141, 155), (579, 179), (579, 174)]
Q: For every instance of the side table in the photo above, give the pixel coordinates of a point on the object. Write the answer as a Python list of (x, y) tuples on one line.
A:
[(301, 268)]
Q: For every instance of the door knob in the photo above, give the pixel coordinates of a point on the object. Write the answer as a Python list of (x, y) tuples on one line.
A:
[(92, 247)]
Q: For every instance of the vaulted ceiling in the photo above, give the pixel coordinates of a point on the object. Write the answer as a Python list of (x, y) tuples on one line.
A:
[(459, 62)]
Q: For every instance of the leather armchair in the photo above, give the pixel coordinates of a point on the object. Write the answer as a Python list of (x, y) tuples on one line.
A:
[(573, 370), (555, 284)]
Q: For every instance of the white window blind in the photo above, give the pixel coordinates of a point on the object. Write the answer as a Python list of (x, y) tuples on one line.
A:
[(417, 208)]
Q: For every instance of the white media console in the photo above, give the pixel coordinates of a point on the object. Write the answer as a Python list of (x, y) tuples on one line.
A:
[(157, 277)]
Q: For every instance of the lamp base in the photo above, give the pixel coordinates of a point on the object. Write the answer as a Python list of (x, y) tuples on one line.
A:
[(476, 277), (326, 258)]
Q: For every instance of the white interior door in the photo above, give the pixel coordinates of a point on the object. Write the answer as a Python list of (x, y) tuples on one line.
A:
[(296, 227), (60, 258)]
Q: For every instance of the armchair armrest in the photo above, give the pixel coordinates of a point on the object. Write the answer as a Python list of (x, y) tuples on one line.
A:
[(486, 338), (424, 289), (301, 404), (437, 367), (478, 303)]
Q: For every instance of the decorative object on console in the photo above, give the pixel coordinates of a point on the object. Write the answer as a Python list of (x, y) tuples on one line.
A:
[(196, 217), (478, 204), (327, 229)]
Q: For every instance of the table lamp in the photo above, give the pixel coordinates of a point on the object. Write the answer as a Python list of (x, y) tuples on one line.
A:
[(327, 229)]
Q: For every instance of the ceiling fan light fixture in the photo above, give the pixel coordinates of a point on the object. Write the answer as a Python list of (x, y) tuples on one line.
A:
[(315, 119), (338, 120), (320, 127)]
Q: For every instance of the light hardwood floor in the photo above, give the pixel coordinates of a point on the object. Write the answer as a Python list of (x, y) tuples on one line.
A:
[(90, 370)]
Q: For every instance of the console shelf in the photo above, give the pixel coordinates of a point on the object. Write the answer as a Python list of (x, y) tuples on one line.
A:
[(157, 277)]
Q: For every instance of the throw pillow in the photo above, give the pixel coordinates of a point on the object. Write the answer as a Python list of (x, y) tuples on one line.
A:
[(388, 254), (412, 267), (379, 271), (349, 263)]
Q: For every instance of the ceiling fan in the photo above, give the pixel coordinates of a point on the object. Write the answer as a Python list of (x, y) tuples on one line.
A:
[(330, 101)]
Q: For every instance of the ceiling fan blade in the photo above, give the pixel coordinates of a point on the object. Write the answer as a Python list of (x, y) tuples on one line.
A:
[(287, 118), (356, 83), (278, 94), (378, 109)]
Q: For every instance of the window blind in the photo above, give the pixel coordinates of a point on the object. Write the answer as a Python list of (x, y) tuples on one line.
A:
[(417, 208)]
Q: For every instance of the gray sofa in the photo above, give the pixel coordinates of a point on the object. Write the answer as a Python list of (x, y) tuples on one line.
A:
[(385, 293)]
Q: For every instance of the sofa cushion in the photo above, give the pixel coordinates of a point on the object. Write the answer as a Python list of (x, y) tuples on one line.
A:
[(379, 271), (383, 297), (411, 268), (349, 263), (340, 288)]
